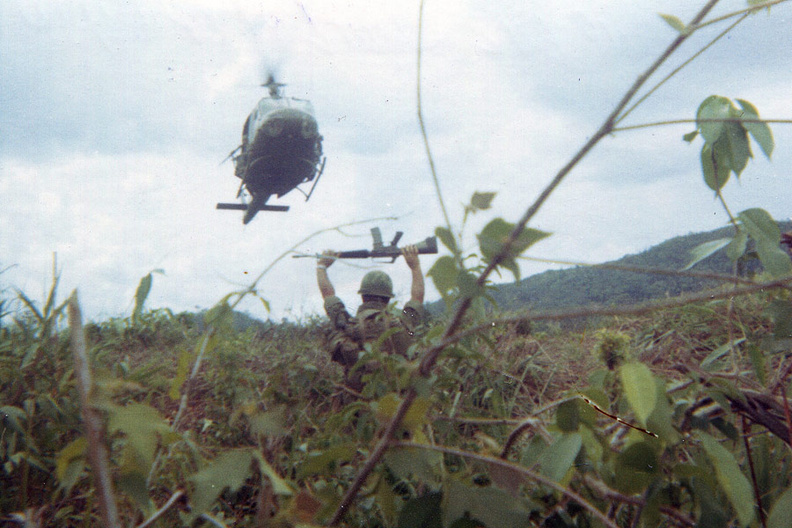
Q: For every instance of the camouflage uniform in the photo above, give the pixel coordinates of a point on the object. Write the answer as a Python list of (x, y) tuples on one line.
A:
[(348, 335)]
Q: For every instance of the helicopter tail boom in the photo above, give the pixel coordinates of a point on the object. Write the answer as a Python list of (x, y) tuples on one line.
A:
[(243, 207)]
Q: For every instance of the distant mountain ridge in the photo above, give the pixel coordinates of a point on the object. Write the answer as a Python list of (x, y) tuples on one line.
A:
[(585, 286)]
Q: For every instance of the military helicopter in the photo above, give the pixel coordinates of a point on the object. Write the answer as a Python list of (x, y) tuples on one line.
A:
[(281, 149)]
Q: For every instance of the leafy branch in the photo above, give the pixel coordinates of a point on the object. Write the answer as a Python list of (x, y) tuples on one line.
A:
[(430, 356)]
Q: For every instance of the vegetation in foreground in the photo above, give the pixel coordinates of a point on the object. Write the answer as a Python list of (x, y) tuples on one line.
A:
[(507, 432)]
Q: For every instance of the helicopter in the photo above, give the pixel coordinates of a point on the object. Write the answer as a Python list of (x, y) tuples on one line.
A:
[(281, 149)]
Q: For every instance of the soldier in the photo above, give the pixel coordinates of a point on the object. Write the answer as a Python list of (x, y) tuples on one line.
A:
[(350, 334)]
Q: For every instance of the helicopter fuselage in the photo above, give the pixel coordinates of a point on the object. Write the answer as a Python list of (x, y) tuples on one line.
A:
[(281, 146)]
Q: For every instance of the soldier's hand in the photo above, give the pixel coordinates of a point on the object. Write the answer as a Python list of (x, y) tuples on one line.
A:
[(327, 258), (411, 256)]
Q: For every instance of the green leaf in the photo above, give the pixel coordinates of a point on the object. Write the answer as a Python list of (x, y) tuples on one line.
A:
[(423, 512), (720, 352), (386, 407), (444, 274), (133, 484), (636, 467), (221, 315), (568, 416), (739, 150), (325, 461), (761, 226), (715, 108), (493, 238), (690, 136), (279, 486), (661, 420), (143, 427), (737, 246), (490, 505), (765, 232), (415, 417), (759, 131), (69, 463), (716, 166), (270, 423), (468, 285), (639, 388), (265, 303), (447, 238), (182, 370), (481, 201), (13, 417), (730, 478), (413, 462), (757, 357), (675, 23), (559, 456), (780, 311), (142, 292), (229, 470), (706, 249), (781, 512)]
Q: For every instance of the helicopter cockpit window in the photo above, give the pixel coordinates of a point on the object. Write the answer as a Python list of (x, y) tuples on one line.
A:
[(266, 106)]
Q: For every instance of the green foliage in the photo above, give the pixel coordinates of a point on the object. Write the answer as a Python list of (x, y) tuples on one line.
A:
[(725, 130), (142, 292), (731, 479), (639, 388), (494, 238)]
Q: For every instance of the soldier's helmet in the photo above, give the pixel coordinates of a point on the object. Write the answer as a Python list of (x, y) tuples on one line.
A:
[(376, 283)]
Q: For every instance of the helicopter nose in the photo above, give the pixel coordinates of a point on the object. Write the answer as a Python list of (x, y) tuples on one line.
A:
[(309, 128)]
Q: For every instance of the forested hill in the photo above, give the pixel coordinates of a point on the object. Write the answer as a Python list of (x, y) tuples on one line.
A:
[(583, 286)]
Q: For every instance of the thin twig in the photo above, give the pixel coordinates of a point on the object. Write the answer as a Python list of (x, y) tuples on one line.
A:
[(423, 126), (746, 427), (787, 415), (159, 513), (611, 495), (695, 121), (748, 10), (94, 433), (676, 70)]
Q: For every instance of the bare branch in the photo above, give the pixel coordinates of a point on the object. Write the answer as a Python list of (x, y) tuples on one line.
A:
[(94, 432), (159, 513)]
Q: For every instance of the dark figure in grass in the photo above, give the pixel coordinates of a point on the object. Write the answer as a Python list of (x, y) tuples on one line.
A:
[(349, 335)]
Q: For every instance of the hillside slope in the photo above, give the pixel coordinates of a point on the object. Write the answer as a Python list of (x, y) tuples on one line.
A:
[(582, 286)]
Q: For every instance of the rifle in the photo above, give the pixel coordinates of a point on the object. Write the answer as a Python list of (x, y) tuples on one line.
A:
[(380, 250)]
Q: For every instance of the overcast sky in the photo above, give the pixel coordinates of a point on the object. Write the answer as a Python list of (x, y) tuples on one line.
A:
[(115, 117)]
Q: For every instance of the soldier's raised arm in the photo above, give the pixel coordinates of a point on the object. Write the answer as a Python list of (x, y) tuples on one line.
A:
[(413, 262), (324, 262)]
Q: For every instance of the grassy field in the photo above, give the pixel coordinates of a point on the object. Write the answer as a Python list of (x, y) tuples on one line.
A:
[(506, 432)]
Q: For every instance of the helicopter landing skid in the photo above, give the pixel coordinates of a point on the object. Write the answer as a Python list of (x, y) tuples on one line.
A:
[(243, 207)]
